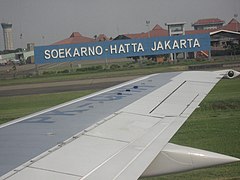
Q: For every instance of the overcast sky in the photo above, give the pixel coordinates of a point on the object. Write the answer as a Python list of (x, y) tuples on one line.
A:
[(47, 21)]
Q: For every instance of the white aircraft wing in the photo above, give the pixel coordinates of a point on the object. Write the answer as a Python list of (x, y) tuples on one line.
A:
[(132, 142)]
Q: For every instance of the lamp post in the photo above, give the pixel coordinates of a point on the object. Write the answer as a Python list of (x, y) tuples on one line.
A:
[(235, 16), (147, 24)]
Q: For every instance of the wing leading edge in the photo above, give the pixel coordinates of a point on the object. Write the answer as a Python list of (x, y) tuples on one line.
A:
[(133, 141)]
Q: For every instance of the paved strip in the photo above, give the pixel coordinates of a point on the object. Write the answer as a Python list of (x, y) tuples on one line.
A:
[(56, 89), (62, 86), (67, 83)]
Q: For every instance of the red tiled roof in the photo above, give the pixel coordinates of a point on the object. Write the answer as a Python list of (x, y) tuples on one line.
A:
[(137, 35), (75, 34), (202, 31), (233, 25), (75, 38), (209, 21), (158, 31), (157, 27), (155, 32), (102, 37)]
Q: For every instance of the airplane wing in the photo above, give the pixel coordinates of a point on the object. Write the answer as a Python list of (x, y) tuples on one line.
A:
[(124, 131)]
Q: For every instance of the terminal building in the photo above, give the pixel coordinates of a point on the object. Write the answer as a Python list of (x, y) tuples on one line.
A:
[(223, 36), (205, 24)]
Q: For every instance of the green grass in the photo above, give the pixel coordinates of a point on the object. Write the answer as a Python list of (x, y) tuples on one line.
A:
[(18, 106), (92, 75), (134, 69), (215, 126), (127, 69)]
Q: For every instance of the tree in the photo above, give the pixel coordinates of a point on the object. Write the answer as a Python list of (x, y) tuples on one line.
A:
[(234, 48)]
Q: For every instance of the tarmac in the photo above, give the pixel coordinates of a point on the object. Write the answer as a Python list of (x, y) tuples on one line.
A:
[(62, 86)]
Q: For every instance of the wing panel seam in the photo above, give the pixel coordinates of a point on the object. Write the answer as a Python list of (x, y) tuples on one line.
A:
[(106, 138), (59, 172), (189, 104), (168, 96)]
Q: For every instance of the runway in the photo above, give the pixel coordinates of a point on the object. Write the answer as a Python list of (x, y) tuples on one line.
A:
[(62, 86)]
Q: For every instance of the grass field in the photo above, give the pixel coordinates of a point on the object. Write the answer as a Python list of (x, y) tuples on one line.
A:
[(93, 74), (123, 69), (18, 106), (215, 126)]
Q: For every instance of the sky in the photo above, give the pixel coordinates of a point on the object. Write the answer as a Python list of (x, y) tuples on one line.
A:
[(44, 22)]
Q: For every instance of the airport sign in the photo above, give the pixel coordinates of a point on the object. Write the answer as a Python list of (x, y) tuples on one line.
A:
[(121, 48)]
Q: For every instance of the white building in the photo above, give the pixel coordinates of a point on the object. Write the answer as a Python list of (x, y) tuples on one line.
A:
[(7, 35)]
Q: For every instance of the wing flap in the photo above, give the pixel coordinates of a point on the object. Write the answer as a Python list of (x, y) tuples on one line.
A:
[(122, 162), (124, 127)]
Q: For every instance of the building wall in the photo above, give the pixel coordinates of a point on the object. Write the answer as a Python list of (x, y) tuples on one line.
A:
[(7, 35), (206, 27)]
